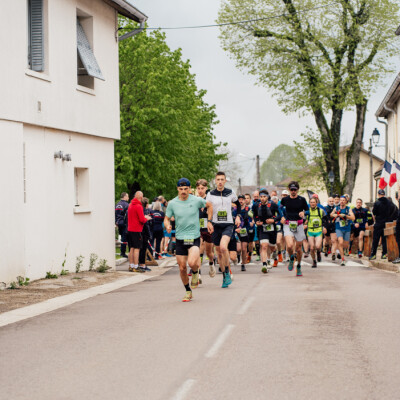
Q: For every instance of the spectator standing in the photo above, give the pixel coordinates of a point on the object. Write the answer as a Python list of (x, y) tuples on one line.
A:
[(157, 216), (136, 222), (146, 234), (382, 210), (121, 221)]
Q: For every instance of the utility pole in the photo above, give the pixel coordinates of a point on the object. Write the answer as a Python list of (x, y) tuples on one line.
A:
[(258, 171), (240, 186)]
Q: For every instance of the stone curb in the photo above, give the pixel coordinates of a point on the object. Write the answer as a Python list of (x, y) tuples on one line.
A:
[(383, 265)]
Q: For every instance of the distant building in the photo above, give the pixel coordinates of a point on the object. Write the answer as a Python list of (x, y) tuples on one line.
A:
[(59, 117)]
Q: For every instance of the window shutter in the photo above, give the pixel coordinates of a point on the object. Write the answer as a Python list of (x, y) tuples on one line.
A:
[(86, 54), (36, 35)]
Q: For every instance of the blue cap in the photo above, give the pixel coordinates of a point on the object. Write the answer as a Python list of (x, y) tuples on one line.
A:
[(381, 192), (183, 182)]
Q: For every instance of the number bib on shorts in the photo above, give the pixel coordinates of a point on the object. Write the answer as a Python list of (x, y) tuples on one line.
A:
[(188, 242), (268, 228), (243, 232), (222, 215), (203, 223), (293, 226)]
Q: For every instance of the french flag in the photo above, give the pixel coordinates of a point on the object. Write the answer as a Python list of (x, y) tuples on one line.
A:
[(385, 177), (395, 174)]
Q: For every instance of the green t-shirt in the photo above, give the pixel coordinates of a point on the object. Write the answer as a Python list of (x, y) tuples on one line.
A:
[(186, 214)]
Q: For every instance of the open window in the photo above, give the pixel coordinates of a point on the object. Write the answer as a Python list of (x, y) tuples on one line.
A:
[(87, 65), (81, 179)]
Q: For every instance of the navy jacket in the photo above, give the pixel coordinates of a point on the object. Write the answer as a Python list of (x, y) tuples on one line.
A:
[(121, 213)]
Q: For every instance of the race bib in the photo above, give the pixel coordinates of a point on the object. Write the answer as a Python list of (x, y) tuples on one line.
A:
[(243, 232), (316, 224), (342, 223), (293, 226), (188, 242), (222, 215), (251, 230), (203, 223), (268, 228), (278, 228), (359, 221)]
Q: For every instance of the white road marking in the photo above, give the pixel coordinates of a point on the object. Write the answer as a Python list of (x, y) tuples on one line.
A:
[(220, 341), (184, 389), (246, 305), (353, 264)]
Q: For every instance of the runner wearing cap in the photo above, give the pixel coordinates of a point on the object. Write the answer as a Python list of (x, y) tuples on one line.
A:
[(329, 230), (221, 199), (252, 230), (267, 214), (185, 209), (294, 209), (206, 238), (343, 216), (243, 229), (256, 202)]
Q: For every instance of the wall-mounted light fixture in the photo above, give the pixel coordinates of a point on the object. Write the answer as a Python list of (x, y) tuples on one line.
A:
[(67, 157), (58, 154)]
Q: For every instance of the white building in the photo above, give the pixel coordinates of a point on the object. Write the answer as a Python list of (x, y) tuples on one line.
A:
[(59, 117)]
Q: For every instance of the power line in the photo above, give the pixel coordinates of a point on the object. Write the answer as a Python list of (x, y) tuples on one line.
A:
[(238, 22)]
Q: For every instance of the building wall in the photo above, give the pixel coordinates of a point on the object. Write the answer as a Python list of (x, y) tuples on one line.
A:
[(39, 231), (393, 145), (63, 104)]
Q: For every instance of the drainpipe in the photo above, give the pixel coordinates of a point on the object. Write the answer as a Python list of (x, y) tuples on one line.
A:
[(386, 131), (134, 32)]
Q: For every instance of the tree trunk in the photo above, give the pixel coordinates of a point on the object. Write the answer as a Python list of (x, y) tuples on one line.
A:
[(133, 188), (353, 153)]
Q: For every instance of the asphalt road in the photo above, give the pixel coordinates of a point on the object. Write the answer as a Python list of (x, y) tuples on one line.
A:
[(331, 334)]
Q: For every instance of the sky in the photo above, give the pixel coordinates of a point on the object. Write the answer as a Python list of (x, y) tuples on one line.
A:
[(251, 122)]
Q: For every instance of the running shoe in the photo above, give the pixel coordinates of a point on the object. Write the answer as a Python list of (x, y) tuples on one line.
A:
[(373, 257), (274, 255), (269, 265), (339, 256), (168, 255), (275, 262), (291, 263), (195, 281), (343, 263), (396, 261), (212, 271), (264, 270), (230, 274), (359, 254), (248, 259), (280, 257), (298, 270), (384, 257), (188, 297), (254, 252), (138, 269), (314, 265), (346, 252), (229, 277), (258, 258), (333, 257), (146, 268), (243, 268), (326, 254), (318, 256)]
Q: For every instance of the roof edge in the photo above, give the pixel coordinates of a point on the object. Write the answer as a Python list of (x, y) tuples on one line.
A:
[(127, 10), (382, 112)]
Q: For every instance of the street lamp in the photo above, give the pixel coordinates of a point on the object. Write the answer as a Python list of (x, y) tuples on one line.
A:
[(376, 136), (331, 177)]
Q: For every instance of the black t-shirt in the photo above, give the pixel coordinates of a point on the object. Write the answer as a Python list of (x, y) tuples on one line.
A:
[(293, 207)]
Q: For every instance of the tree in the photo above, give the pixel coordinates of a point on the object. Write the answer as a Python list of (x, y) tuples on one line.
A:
[(280, 164), (319, 57), (166, 125)]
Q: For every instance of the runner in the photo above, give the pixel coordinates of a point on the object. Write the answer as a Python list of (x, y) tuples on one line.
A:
[(285, 193), (245, 226), (248, 204), (256, 202), (185, 209), (267, 214), (279, 230), (221, 199), (294, 209), (343, 215), (315, 216), (206, 239), (330, 230), (361, 223)]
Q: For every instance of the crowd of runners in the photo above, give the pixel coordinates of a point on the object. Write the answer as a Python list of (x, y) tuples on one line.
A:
[(225, 228)]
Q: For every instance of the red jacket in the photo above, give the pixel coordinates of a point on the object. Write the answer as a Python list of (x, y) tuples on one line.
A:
[(136, 219)]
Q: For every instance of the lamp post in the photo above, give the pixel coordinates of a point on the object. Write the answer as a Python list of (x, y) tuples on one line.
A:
[(331, 177)]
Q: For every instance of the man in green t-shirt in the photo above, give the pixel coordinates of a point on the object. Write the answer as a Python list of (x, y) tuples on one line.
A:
[(185, 210)]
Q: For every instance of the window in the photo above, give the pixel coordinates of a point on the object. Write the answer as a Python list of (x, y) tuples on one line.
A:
[(87, 65), (81, 187), (35, 35)]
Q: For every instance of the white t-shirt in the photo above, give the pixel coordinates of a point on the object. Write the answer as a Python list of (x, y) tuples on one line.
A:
[(222, 205)]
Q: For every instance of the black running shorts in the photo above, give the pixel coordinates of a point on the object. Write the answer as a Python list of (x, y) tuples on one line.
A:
[(183, 246)]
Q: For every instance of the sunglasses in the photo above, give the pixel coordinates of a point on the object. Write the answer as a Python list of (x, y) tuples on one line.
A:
[(294, 190)]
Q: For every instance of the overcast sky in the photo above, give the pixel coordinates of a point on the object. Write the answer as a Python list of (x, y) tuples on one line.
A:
[(250, 120)]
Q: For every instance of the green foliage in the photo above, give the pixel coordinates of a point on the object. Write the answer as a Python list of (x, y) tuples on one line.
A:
[(317, 57), (166, 124), (50, 275), (92, 261), (103, 266), (78, 263), (13, 285), (64, 272), (281, 163), (23, 281)]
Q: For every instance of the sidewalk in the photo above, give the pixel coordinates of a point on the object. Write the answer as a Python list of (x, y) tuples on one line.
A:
[(384, 265), (46, 289)]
